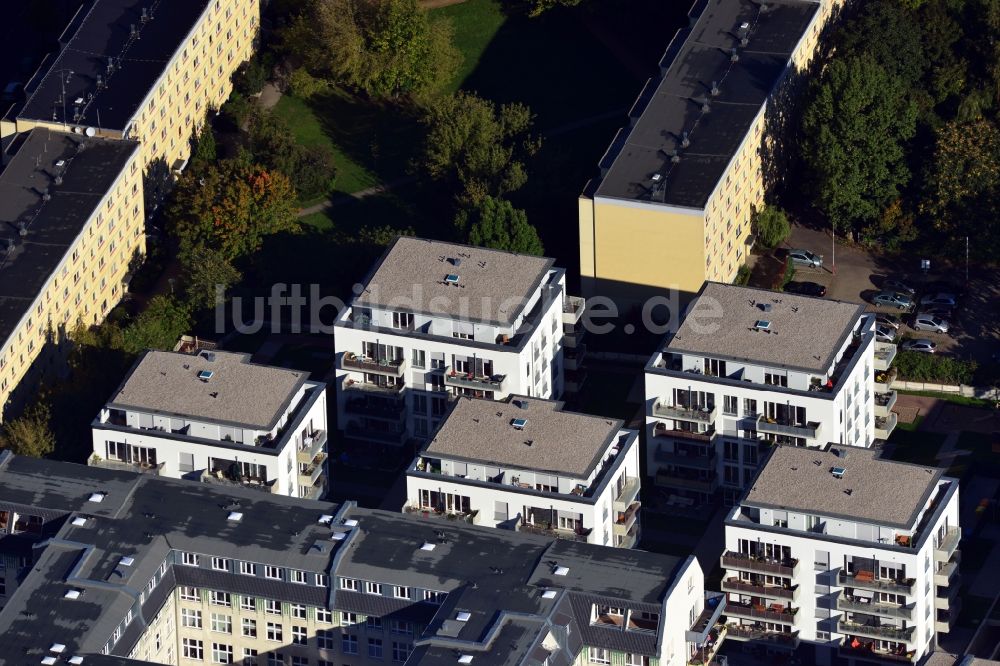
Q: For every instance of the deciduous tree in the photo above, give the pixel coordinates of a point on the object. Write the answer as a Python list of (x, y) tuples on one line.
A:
[(771, 225), (495, 223), (30, 433)]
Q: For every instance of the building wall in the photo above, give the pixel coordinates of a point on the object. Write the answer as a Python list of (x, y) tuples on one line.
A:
[(85, 286), (159, 642), (196, 78)]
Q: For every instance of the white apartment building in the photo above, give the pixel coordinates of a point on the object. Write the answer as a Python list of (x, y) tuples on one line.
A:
[(527, 464), (840, 548), (437, 320), (749, 368), (216, 417)]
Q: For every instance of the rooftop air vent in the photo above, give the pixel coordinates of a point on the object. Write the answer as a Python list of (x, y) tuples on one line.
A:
[(58, 648), (208, 356), (838, 472), (765, 307), (744, 26), (76, 660), (350, 522), (325, 519), (656, 177), (455, 261), (48, 660), (79, 521), (234, 516), (523, 404), (762, 325), (561, 571), (519, 424), (97, 497), (463, 616), (72, 594), (205, 375), (428, 546), (465, 659), (338, 536), (60, 163), (549, 594), (126, 561), (451, 278)]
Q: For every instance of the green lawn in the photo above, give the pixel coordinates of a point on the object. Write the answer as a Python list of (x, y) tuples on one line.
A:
[(916, 446), (320, 222), (952, 398), (476, 22)]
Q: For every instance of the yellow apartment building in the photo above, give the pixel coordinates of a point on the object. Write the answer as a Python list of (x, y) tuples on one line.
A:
[(71, 222), (672, 206), (145, 70)]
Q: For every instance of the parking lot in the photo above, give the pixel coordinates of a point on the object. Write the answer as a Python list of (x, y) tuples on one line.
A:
[(857, 276)]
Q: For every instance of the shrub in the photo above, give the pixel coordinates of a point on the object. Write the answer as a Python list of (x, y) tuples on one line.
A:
[(742, 276), (923, 367), (785, 276), (304, 85), (771, 225)]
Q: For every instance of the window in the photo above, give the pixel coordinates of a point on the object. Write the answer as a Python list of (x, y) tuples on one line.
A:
[(297, 576), (373, 588), (272, 607), (275, 659), (222, 624), (220, 564), (322, 580), (249, 657), (300, 661), (598, 655), (324, 616), (299, 636), (349, 644), (222, 654), (248, 604), (248, 568), (400, 592), (298, 611), (400, 627), (275, 573), (249, 627), (190, 559), (217, 598), (189, 593), (191, 618), (402, 320), (349, 584), (348, 618), (729, 404), (375, 648), (324, 639), (374, 623), (749, 407), (274, 631), (400, 651), (636, 660), (434, 597), (419, 358), (193, 648)]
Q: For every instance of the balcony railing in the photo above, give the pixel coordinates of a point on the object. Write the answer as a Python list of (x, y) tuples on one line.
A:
[(661, 430), (948, 544), (884, 379), (573, 307), (255, 483), (885, 352), (628, 494), (475, 382), (712, 610), (709, 648), (785, 615), (312, 447), (866, 581), (944, 572), (733, 560), (856, 604), (884, 425), (142, 468), (697, 415), (807, 430), (884, 402), (380, 408), (387, 436), (869, 651), (883, 631), (390, 367), (309, 476), (678, 479), (746, 587), (683, 459), (741, 632), (368, 387), (570, 535)]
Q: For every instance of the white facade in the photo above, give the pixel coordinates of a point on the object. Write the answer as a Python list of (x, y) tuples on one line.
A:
[(863, 589), (710, 419), (288, 459), (397, 367)]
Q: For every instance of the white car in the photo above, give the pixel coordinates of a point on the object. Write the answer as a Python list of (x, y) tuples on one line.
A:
[(885, 334), (929, 322), (805, 258), (921, 345)]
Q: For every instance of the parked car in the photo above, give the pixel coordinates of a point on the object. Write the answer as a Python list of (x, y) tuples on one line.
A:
[(920, 345), (942, 298), (885, 334), (806, 288), (939, 311), (805, 258), (891, 321), (929, 322), (892, 299), (898, 286)]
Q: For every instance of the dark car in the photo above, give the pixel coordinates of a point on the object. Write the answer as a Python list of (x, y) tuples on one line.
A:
[(806, 288), (898, 286)]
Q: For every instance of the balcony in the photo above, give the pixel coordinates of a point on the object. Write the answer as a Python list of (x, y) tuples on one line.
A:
[(573, 358), (945, 572), (705, 654), (884, 380), (309, 476), (470, 517), (944, 620), (573, 307), (141, 467), (884, 402), (881, 631), (739, 586), (390, 368), (218, 478), (696, 415), (628, 495), (744, 632), (715, 605), (625, 521), (582, 535), (862, 604), (683, 458), (312, 492), (313, 448), (771, 613), (853, 648), (884, 425), (379, 408), (474, 382), (368, 388), (866, 581), (946, 597), (686, 480), (733, 560), (630, 539), (776, 427), (395, 437), (885, 353), (663, 430), (947, 544)]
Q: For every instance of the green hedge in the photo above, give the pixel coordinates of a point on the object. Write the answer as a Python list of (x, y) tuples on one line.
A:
[(923, 367)]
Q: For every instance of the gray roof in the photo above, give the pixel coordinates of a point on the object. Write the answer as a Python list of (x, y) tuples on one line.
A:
[(239, 392), (881, 491), (805, 333), (560, 441), (697, 57), (27, 262), (493, 286), (105, 32)]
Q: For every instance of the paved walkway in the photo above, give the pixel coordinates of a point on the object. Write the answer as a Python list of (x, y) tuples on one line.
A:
[(269, 96)]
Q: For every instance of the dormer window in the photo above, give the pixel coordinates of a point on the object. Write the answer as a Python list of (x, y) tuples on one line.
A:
[(402, 320), (609, 615)]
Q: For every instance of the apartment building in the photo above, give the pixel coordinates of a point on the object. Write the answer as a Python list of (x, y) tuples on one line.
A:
[(434, 321), (71, 228), (215, 417), (685, 175), (146, 70), (883, 540), (750, 368), (528, 464), (129, 568)]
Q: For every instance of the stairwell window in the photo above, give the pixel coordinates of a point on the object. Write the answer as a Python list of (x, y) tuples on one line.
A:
[(598, 655)]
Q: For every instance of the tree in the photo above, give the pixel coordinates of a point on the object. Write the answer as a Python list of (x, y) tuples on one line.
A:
[(30, 433), (272, 143), (203, 148), (771, 226), (158, 326), (899, 48), (230, 207), (496, 224), (540, 6), (304, 85), (479, 148), (385, 48), (205, 270), (855, 129)]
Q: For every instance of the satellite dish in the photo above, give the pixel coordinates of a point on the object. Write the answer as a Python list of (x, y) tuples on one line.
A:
[(90, 131)]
